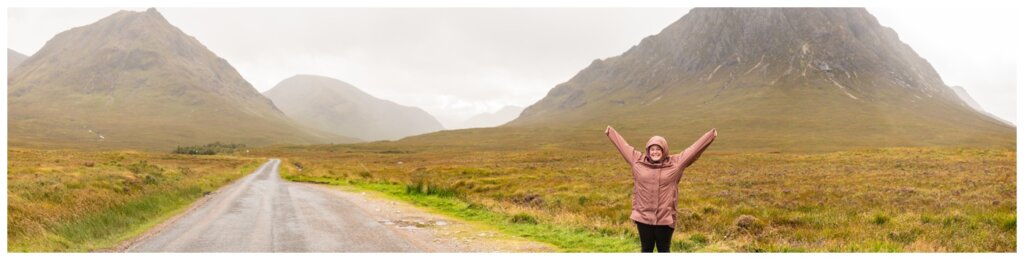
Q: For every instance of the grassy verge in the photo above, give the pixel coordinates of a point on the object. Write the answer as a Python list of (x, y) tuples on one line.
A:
[(567, 239), (73, 201)]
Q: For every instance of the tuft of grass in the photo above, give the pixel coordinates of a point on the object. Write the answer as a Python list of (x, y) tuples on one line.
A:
[(903, 236), (699, 239), (1010, 224), (749, 224), (523, 218), (880, 219), (424, 188)]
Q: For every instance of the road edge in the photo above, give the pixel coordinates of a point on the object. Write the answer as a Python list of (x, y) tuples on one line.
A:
[(156, 229)]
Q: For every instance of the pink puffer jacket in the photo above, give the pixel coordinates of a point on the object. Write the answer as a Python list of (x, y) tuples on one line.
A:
[(656, 185)]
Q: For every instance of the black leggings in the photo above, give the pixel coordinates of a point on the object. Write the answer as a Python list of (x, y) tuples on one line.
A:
[(654, 235)]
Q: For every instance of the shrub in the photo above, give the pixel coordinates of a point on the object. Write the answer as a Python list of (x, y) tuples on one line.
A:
[(748, 223), (208, 149)]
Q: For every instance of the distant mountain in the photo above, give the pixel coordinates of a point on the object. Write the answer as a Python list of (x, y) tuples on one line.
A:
[(500, 117), (332, 105), (14, 59), (767, 78), (962, 93), (133, 80)]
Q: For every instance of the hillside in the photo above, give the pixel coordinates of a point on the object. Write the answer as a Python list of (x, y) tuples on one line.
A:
[(335, 106), (133, 80), (14, 59), (768, 78), (966, 97), (497, 118)]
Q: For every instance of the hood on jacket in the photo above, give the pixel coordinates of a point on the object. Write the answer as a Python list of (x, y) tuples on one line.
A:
[(659, 141)]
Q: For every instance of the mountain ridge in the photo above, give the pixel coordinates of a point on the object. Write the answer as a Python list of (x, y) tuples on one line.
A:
[(768, 79), (14, 59), (133, 80), (334, 105), (492, 119), (966, 97)]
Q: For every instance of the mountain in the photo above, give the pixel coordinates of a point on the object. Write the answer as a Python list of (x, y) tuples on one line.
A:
[(14, 59), (963, 95), (500, 117), (768, 79), (332, 105), (133, 80)]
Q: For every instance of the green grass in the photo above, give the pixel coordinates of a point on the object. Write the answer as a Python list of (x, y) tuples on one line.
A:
[(73, 201), (942, 199), (568, 239), (945, 199)]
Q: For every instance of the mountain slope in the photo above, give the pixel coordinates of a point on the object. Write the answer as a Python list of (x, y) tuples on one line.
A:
[(768, 79), (335, 106), (133, 80), (500, 117), (963, 95), (14, 59)]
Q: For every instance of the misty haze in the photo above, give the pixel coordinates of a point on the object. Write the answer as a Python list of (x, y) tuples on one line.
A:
[(511, 130)]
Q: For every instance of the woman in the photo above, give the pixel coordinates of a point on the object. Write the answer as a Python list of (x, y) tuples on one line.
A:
[(656, 185)]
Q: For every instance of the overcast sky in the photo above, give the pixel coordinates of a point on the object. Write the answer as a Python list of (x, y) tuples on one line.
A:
[(455, 63)]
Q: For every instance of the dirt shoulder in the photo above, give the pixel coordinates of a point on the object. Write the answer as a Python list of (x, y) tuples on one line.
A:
[(430, 231)]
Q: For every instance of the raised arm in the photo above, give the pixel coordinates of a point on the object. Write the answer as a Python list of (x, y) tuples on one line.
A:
[(627, 151), (693, 152)]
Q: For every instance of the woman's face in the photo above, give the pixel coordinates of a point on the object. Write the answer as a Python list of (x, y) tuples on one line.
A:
[(655, 152)]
